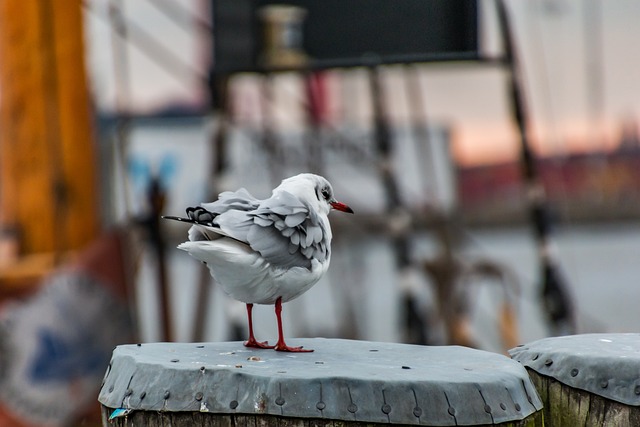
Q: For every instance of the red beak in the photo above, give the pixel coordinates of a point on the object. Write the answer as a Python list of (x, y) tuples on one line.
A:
[(341, 207)]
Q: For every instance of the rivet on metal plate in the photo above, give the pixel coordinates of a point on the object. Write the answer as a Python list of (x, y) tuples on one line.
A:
[(503, 406), (353, 408), (517, 406), (280, 401), (487, 409), (604, 383), (451, 411), (574, 372), (320, 406), (167, 394), (233, 404), (548, 362), (199, 396), (386, 408), (417, 411)]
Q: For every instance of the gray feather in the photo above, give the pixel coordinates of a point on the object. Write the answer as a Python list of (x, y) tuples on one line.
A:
[(295, 219), (308, 239), (295, 238), (288, 232)]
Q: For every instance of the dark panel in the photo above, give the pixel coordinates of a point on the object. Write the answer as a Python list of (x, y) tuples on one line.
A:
[(234, 42), (343, 31)]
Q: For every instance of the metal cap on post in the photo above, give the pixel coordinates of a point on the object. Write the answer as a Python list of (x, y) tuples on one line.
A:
[(349, 381), (586, 377)]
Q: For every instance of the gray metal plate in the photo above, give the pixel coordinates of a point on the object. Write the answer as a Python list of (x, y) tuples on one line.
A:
[(607, 365), (341, 380)]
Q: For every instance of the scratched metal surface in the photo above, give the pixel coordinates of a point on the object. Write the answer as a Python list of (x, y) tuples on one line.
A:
[(341, 380), (607, 365)]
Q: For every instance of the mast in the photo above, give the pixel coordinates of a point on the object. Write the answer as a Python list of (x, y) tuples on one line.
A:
[(48, 182)]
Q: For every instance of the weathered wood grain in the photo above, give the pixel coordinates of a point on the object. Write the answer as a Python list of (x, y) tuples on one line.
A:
[(198, 419), (567, 406)]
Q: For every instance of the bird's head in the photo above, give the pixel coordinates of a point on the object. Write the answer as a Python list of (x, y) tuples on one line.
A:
[(315, 190)]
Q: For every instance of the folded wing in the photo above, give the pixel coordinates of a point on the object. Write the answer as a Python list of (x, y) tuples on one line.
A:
[(282, 229)]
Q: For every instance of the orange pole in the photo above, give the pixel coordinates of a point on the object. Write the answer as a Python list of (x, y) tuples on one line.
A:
[(47, 158)]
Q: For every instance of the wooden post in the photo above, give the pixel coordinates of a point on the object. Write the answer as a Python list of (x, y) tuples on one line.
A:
[(346, 383), (47, 161), (585, 380)]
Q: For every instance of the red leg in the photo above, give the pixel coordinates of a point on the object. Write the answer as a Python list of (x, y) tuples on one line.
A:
[(252, 340), (280, 345)]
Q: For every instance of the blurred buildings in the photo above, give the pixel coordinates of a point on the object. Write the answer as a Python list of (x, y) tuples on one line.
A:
[(597, 186)]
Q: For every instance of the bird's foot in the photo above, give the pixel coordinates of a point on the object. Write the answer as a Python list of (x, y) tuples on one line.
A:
[(251, 342), (281, 346)]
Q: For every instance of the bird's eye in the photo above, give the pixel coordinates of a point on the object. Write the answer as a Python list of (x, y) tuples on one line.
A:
[(325, 194)]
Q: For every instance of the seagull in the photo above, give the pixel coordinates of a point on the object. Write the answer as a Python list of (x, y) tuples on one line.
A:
[(266, 251)]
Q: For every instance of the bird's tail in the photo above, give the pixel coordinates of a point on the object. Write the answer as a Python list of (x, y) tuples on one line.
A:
[(195, 215), (203, 227)]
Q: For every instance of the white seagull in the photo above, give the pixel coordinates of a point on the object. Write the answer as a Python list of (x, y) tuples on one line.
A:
[(266, 251)]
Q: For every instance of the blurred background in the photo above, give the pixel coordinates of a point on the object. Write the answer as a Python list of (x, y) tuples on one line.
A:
[(490, 150)]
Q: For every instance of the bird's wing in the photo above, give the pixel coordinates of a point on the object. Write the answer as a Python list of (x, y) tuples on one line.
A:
[(283, 229)]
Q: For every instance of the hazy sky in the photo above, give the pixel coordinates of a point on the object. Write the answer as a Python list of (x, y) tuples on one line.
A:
[(562, 58)]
